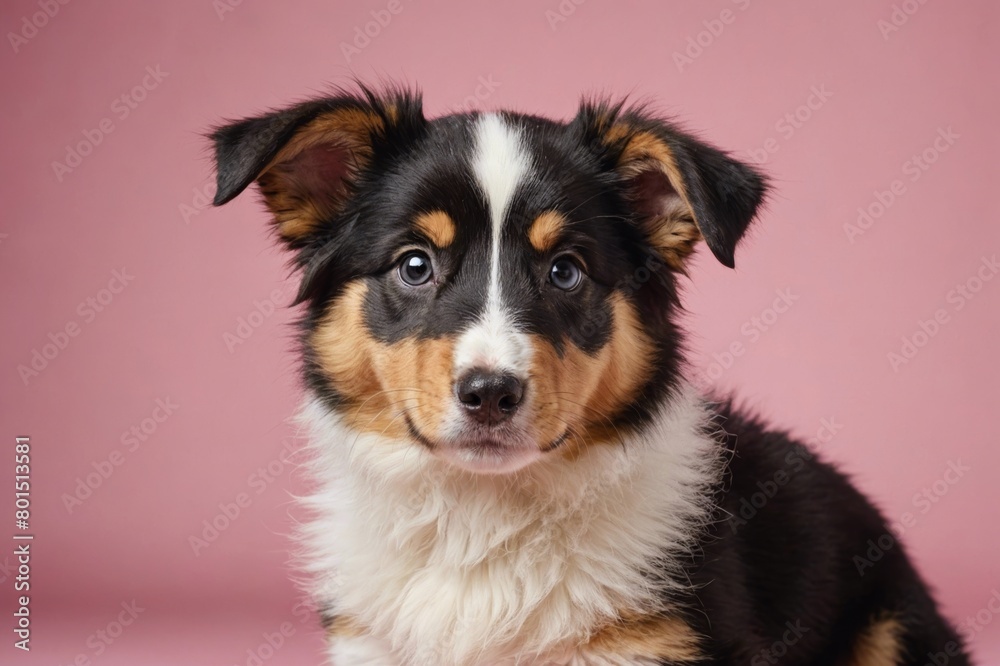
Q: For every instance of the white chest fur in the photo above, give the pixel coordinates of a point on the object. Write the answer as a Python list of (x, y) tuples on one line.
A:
[(447, 568)]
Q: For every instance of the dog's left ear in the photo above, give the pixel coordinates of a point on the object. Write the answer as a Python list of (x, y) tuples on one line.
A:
[(680, 189)]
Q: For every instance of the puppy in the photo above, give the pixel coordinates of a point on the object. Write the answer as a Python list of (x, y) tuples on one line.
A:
[(510, 466)]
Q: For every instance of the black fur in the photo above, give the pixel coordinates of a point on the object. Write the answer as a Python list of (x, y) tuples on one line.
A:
[(784, 551)]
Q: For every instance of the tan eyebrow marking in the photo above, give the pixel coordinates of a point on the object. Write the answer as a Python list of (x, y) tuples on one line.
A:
[(437, 226), (545, 230)]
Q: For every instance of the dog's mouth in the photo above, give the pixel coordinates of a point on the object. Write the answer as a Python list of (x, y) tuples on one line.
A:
[(487, 454)]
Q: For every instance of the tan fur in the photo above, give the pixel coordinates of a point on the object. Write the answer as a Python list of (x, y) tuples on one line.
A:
[(879, 644), (348, 128), (344, 627), (545, 230), (426, 364), (382, 381), (295, 212), (653, 637), (675, 232), (437, 226), (343, 351), (583, 392)]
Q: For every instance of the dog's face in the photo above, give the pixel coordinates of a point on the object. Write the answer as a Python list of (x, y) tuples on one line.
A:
[(492, 288)]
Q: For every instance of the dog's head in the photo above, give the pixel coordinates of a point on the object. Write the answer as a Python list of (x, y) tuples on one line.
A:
[(494, 288)]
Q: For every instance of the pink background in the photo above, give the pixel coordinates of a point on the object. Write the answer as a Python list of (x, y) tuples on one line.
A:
[(164, 335)]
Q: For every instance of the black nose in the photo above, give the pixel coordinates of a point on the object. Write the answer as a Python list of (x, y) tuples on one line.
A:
[(489, 397)]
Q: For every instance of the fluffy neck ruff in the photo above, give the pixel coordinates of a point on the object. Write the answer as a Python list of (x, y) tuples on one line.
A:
[(449, 567)]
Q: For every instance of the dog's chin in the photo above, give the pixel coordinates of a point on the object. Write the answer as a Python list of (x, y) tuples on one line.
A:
[(489, 456), (482, 450)]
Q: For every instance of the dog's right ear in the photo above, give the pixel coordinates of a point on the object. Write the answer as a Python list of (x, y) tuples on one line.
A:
[(308, 159)]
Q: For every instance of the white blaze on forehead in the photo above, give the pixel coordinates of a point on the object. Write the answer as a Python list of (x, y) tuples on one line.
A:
[(500, 165)]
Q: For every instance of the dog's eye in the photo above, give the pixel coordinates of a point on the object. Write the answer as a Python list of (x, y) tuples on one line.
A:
[(415, 268), (565, 273)]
